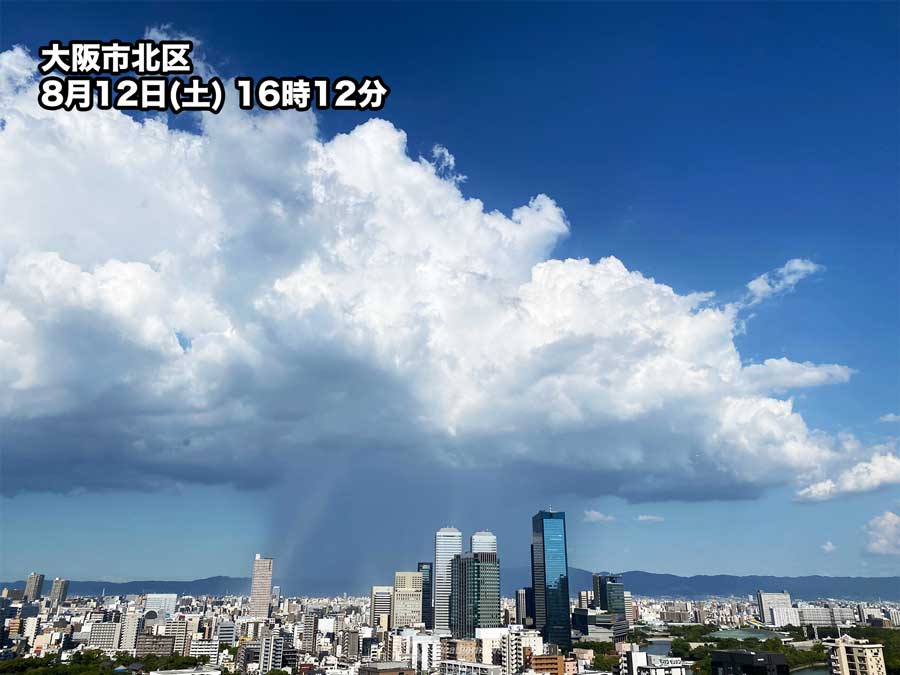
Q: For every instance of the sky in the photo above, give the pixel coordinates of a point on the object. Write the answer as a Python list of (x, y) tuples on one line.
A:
[(637, 262)]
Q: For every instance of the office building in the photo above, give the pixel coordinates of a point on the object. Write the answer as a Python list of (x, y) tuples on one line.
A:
[(350, 646), (517, 649), (426, 569), (163, 604), (628, 602), (595, 625), (849, 656), (447, 543), (380, 606), (208, 648), (271, 645), (745, 662), (765, 602), (474, 593), (784, 616), (178, 629), (550, 577), (34, 585), (425, 652), (386, 668), (158, 645), (310, 643), (226, 633), (521, 613), (551, 664), (261, 587), (132, 625), (406, 603), (609, 594), (814, 615), (59, 591), (105, 635), (483, 542), (469, 668)]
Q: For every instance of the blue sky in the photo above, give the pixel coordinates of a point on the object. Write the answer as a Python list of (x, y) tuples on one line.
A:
[(702, 145)]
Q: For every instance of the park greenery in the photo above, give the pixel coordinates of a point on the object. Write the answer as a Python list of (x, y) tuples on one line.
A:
[(605, 657), (796, 658), (93, 662)]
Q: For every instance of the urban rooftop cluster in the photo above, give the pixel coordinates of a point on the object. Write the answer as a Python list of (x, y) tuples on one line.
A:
[(447, 617)]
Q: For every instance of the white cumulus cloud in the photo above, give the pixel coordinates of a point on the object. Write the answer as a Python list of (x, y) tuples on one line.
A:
[(206, 306), (828, 547), (881, 470), (883, 533)]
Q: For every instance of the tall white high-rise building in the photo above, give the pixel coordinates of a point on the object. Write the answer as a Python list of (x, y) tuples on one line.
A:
[(483, 542), (33, 587), (132, 624), (59, 591), (261, 587), (447, 543)]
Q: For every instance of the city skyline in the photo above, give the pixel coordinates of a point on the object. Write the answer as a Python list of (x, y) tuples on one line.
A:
[(645, 273)]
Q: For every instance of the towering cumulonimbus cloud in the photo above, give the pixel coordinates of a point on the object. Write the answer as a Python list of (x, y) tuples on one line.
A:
[(202, 306)]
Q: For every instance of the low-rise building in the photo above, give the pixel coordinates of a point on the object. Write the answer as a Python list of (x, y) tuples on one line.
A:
[(469, 668)]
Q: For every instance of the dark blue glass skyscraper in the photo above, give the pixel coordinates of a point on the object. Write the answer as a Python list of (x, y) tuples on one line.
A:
[(550, 577), (426, 569)]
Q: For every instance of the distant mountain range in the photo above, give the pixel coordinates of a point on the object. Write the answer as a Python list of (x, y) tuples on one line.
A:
[(639, 583), (701, 586)]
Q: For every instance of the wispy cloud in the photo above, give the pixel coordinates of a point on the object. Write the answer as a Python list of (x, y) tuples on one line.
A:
[(650, 519), (828, 547), (889, 417), (781, 280), (591, 516)]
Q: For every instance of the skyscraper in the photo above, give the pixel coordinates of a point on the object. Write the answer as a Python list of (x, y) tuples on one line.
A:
[(521, 606), (406, 604), (261, 586), (427, 569), (447, 543), (59, 591), (33, 587), (475, 593), (483, 542), (550, 577), (609, 594)]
